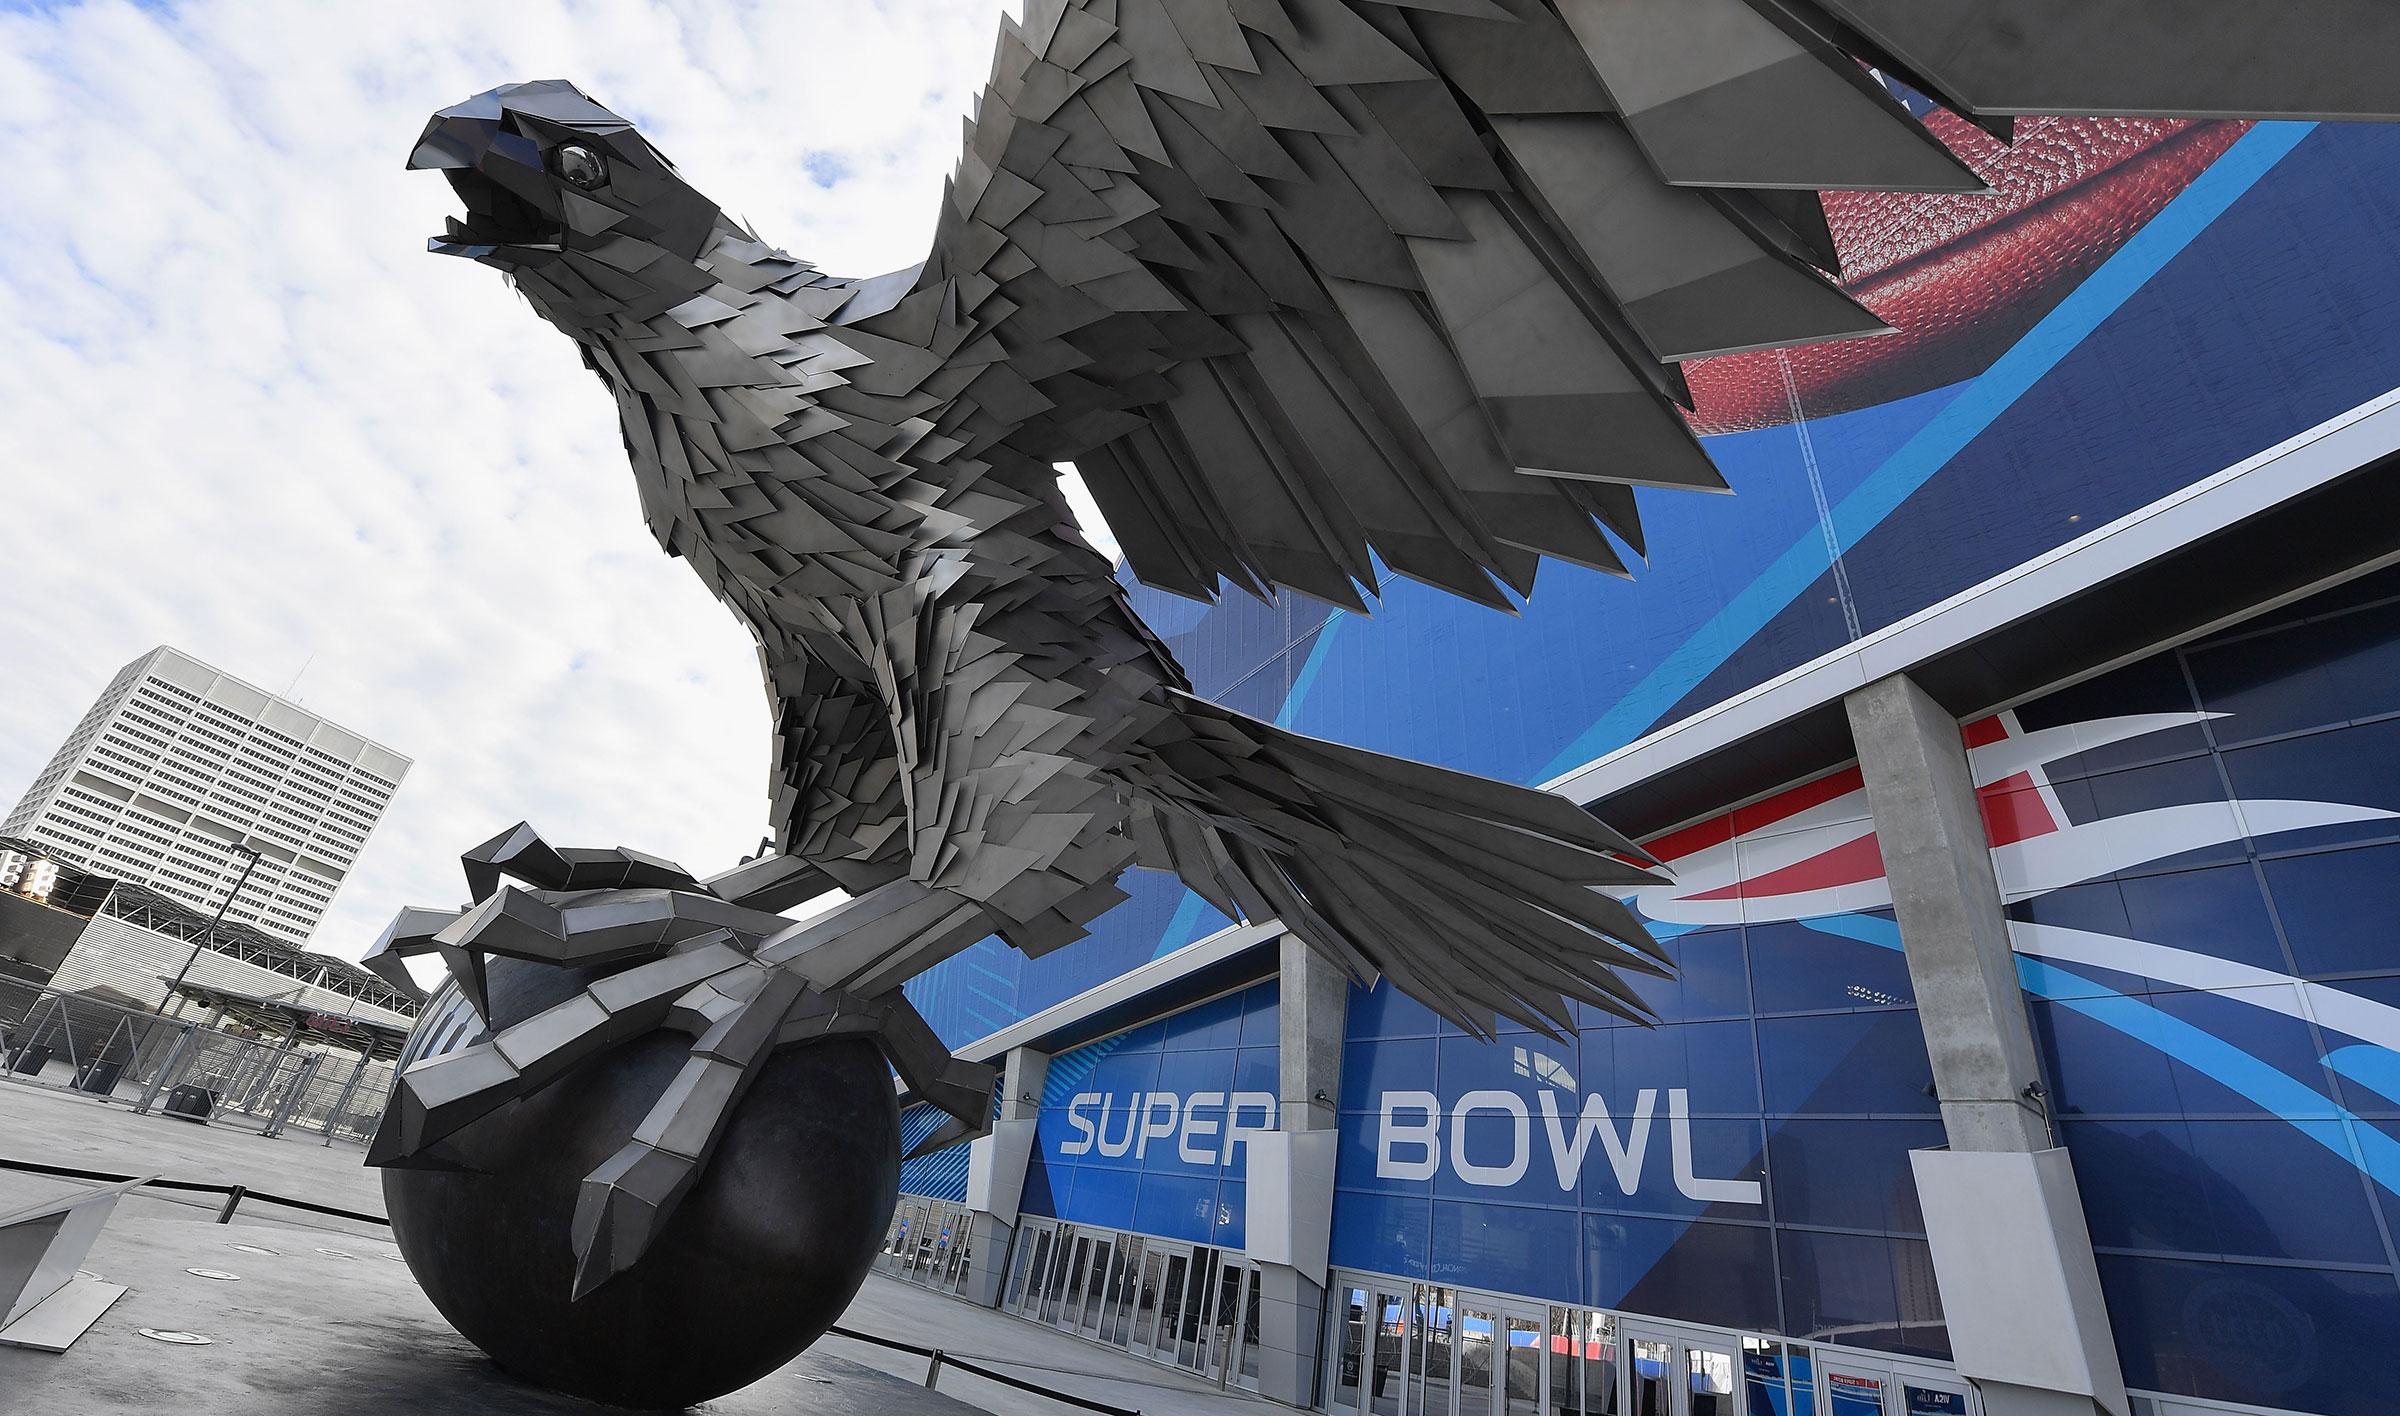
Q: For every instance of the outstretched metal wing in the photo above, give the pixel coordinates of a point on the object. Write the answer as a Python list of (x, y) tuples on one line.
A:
[(1297, 281)]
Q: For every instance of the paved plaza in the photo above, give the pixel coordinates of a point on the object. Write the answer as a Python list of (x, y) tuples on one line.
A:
[(324, 1318)]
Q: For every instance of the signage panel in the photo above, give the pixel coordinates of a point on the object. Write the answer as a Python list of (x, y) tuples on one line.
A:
[(1148, 1130)]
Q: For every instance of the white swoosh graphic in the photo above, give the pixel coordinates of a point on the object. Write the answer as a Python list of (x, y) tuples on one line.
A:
[(2362, 1018)]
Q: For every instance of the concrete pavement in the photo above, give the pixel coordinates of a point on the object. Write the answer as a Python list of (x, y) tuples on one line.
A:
[(330, 1323)]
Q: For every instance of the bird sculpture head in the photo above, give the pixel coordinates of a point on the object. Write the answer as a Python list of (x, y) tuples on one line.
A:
[(544, 170)]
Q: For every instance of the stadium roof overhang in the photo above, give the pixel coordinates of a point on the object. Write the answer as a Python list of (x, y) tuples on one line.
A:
[(2298, 518)]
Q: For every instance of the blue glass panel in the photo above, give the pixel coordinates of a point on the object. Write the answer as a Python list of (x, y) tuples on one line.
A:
[(2097, 907), (1360, 1148), (1258, 1069), (1197, 1146), (1794, 968), (2152, 685), (1216, 1023), (1177, 1207), (1124, 1072), (2292, 1338), (1187, 1071), (2387, 1202), (1262, 1015), (2179, 782), (2219, 912), (2249, 1019), (2220, 1187), (1715, 1062), (1468, 1065), (1730, 1149), (1698, 1271), (1044, 1183), (2119, 1167), (2366, 1075), (2302, 676), (1846, 1064), (1232, 1215), (1382, 1233), (1384, 1011), (2141, 750), (2359, 765), (2340, 909), (1102, 1197), (1486, 1144), (1862, 1290), (1369, 1069), (1849, 1174), (1534, 1247), (2091, 1068), (1711, 978)]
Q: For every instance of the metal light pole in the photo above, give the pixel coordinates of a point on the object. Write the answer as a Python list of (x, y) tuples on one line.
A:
[(208, 935)]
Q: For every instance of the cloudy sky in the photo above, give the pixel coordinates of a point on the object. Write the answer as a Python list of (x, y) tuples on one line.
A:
[(244, 413)]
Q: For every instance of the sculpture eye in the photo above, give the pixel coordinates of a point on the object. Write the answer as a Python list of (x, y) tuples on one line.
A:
[(581, 166)]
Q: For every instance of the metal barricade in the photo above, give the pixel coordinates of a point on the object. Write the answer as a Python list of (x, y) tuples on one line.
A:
[(74, 1041)]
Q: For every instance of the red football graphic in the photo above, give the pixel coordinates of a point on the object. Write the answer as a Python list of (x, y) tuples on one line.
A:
[(1963, 277)]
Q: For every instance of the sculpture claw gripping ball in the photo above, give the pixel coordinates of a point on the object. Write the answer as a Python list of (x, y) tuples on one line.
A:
[(1300, 286)]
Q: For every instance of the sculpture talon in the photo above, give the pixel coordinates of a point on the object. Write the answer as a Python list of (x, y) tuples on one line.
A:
[(737, 980)]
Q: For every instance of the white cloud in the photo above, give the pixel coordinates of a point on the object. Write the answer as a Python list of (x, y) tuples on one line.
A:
[(243, 413)]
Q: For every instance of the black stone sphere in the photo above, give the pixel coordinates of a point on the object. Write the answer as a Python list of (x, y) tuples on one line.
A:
[(763, 1255)]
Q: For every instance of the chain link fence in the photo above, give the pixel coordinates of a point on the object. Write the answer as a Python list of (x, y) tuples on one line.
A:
[(73, 1041)]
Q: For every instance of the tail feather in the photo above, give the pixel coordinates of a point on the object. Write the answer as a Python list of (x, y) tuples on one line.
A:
[(1480, 899)]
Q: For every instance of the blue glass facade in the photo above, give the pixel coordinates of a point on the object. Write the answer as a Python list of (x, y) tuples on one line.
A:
[(2262, 300), (1144, 1130), (1744, 1164), (2200, 855), (2227, 1091)]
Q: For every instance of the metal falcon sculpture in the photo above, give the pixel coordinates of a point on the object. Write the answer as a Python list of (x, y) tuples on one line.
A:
[(1296, 284)]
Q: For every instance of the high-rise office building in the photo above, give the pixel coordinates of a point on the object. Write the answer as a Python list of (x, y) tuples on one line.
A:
[(179, 771)]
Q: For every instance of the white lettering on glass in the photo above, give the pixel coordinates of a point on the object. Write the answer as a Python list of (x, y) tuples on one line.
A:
[(1152, 1128), (1194, 1126), (1425, 1135), (1123, 1143), (1238, 1134), (1679, 1136), (1081, 1123), (1624, 1156), (1520, 1150)]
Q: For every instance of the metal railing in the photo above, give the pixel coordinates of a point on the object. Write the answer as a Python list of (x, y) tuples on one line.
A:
[(76, 1042), (938, 1359), (234, 1194)]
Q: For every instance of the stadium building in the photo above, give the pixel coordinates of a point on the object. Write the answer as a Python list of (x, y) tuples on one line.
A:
[(2023, 738)]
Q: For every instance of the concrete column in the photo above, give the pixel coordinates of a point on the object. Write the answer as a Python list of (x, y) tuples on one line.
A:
[(996, 1174), (1939, 864), (2011, 1252), (1290, 1177)]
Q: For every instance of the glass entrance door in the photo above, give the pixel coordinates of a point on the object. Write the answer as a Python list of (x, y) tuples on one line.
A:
[(1708, 1379), (1147, 1301), (1518, 1385), (1084, 1317), (1037, 1275), (1388, 1378), (1583, 1361), (1672, 1375)]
